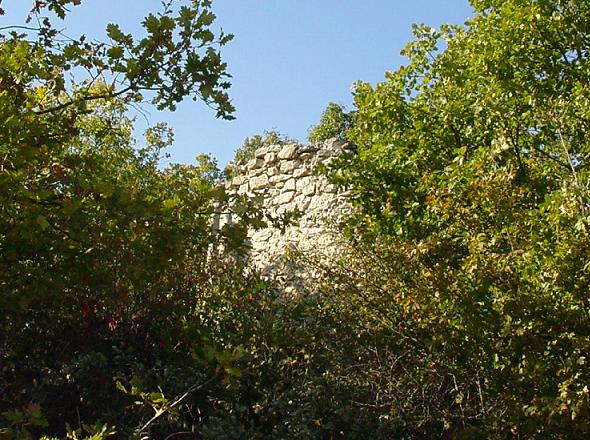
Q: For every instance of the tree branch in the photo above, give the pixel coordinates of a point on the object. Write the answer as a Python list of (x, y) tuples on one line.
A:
[(176, 402), (84, 98)]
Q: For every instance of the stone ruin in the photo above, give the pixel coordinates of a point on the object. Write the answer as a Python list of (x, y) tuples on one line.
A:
[(284, 178)]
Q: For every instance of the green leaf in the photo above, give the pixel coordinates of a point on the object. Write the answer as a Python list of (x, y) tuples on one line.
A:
[(42, 222), (114, 32), (115, 52), (171, 203)]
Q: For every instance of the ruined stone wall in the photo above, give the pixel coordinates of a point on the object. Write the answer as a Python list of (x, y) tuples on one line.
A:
[(283, 177)]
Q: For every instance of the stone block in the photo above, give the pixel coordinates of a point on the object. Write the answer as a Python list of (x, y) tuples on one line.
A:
[(302, 171), (288, 152), (333, 144), (254, 163), (259, 182), (282, 209), (311, 231), (306, 185), (319, 204), (243, 189), (287, 166), (238, 180), (324, 152), (279, 178), (262, 235), (289, 185), (303, 204), (283, 198), (308, 148), (261, 152)]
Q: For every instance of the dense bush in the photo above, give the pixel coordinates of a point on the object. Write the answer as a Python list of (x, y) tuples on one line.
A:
[(94, 236), (334, 123)]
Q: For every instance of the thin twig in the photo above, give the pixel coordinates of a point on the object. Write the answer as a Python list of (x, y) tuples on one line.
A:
[(574, 173), (26, 28), (177, 401)]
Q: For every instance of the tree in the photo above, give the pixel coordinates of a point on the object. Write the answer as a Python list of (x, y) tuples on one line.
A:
[(471, 187), (177, 57), (94, 236), (334, 123)]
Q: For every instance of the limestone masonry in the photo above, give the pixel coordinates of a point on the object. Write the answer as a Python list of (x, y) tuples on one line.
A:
[(283, 177)]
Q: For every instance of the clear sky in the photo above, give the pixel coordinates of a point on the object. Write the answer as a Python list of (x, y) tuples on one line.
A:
[(289, 59)]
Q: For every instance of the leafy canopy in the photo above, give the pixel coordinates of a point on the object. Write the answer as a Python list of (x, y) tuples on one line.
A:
[(98, 243), (177, 56), (459, 310), (471, 185)]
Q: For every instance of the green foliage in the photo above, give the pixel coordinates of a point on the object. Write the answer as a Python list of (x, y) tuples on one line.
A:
[(121, 314), (93, 233), (97, 431), (334, 123), (458, 311), (176, 57), (471, 187)]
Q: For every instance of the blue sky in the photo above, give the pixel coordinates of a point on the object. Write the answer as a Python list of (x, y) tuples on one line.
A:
[(289, 59)]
